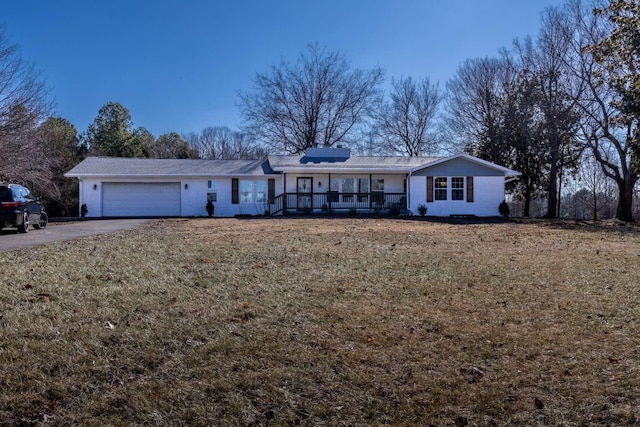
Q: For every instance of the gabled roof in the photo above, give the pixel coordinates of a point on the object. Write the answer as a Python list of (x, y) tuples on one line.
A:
[(505, 171), (128, 167)]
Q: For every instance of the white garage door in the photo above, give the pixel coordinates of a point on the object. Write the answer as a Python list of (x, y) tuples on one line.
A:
[(141, 199)]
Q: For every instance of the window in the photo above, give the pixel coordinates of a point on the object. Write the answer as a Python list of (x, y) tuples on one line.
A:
[(348, 186), (250, 191), (377, 185), (246, 191), (363, 189), (212, 191), (457, 188), (363, 185), (440, 190), (261, 191)]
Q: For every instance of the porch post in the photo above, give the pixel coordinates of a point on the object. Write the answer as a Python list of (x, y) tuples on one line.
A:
[(370, 184), (326, 190), (284, 194)]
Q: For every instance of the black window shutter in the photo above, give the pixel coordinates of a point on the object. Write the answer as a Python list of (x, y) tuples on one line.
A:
[(271, 190), (234, 191), (470, 189), (429, 189)]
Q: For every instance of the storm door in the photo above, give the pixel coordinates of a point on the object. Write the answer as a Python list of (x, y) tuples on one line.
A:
[(305, 187)]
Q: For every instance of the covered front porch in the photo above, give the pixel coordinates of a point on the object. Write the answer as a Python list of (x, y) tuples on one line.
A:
[(331, 202), (340, 192)]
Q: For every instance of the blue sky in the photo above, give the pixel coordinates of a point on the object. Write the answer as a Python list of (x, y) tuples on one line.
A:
[(178, 65)]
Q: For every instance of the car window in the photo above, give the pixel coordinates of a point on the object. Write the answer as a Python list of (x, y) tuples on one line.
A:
[(5, 194)]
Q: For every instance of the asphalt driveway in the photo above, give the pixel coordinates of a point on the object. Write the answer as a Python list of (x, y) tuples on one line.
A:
[(11, 240)]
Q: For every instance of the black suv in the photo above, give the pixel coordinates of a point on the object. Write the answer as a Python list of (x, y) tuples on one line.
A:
[(18, 208)]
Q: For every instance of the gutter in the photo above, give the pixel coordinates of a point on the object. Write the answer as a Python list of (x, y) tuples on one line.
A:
[(508, 179), (165, 176), (409, 190), (342, 170)]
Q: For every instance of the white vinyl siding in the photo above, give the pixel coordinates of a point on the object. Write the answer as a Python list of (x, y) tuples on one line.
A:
[(488, 192), (158, 199)]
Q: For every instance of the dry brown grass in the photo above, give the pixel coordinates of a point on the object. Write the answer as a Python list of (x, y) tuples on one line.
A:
[(324, 322)]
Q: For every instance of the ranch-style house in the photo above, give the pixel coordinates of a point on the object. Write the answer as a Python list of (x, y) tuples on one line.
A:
[(321, 180)]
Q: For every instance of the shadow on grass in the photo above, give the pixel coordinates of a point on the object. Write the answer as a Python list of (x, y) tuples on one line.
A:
[(610, 225)]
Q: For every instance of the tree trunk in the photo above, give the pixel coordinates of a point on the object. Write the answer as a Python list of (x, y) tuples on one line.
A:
[(559, 200), (552, 189), (625, 200), (527, 203)]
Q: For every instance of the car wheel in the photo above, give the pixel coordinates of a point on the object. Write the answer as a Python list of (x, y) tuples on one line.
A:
[(42, 223), (24, 227)]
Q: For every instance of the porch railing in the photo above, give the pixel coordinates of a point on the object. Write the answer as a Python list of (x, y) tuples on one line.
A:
[(334, 201)]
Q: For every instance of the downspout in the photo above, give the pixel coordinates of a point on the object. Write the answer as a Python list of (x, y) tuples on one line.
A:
[(408, 191), (80, 195)]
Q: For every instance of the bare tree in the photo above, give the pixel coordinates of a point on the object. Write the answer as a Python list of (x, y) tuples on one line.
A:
[(223, 143), (171, 146), (407, 120), (546, 59), (592, 178), (58, 139), (368, 142), (317, 101), (23, 105), (475, 102), (609, 51)]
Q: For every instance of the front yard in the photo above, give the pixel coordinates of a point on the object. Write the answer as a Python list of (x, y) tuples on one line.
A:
[(307, 321)]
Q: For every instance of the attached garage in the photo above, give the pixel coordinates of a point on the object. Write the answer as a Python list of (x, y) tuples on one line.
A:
[(124, 199)]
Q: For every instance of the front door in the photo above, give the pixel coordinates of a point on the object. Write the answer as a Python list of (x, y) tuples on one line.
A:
[(305, 187)]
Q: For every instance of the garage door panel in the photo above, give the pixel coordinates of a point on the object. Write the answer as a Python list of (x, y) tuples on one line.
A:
[(140, 199)]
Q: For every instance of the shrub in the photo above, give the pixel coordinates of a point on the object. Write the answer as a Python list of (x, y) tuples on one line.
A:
[(422, 210), (504, 209), (210, 208)]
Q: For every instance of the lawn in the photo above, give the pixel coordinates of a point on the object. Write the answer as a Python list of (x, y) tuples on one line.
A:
[(338, 322)]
